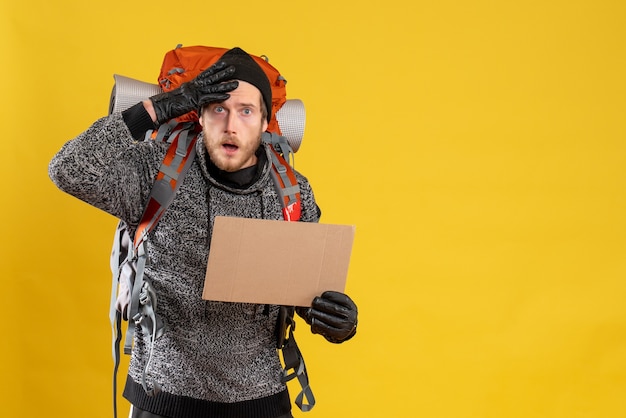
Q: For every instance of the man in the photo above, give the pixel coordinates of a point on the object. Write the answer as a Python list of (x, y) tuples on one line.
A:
[(214, 359)]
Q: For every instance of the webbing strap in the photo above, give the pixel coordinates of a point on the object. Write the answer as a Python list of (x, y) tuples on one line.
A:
[(150, 325), (280, 144), (286, 186), (116, 356), (294, 361), (158, 134), (133, 308), (115, 270)]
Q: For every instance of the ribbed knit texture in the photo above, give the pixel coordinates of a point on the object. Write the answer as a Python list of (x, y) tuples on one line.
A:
[(177, 406), (138, 120)]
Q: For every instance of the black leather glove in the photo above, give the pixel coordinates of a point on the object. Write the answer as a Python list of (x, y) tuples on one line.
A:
[(333, 315), (205, 88)]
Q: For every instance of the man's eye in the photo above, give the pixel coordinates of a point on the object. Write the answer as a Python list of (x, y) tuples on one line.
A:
[(247, 111), (219, 109)]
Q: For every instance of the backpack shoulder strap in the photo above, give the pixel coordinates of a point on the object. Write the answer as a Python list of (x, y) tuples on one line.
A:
[(174, 167), (283, 175)]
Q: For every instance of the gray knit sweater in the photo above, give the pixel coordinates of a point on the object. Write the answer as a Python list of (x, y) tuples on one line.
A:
[(214, 359)]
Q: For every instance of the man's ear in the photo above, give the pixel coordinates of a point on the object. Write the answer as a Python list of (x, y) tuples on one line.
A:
[(200, 113)]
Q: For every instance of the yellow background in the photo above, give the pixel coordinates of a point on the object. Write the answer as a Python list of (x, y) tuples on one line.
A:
[(478, 146)]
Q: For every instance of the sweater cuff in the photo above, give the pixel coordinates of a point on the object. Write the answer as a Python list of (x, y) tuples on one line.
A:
[(138, 120)]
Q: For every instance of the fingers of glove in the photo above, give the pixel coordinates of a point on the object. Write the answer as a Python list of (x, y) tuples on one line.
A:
[(328, 331), (212, 98), (214, 75), (220, 88), (334, 303), (332, 320), (214, 93), (339, 298), (219, 65)]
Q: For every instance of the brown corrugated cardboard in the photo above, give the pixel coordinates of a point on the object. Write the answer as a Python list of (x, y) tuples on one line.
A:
[(276, 262)]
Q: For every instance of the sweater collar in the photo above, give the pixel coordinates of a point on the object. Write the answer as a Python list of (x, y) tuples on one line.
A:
[(241, 179)]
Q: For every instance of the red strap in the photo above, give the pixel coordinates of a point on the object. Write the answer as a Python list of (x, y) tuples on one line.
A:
[(291, 205)]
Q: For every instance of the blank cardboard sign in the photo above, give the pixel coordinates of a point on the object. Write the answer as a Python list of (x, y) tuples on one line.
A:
[(276, 262)]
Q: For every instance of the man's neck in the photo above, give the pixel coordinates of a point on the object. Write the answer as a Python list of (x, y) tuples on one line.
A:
[(243, 178)]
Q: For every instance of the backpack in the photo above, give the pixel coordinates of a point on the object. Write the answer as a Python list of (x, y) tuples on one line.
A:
[(132, 297)]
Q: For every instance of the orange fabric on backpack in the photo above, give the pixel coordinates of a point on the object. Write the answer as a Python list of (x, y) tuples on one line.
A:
[(183, 64)]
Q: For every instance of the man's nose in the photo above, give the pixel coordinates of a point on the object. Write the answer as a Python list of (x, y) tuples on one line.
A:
[(231, 123)]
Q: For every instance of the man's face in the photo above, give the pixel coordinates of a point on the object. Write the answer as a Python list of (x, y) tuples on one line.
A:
[(232, 129)]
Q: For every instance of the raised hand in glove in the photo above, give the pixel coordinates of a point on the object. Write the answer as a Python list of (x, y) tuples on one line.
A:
[(333, 315), (205, 88)]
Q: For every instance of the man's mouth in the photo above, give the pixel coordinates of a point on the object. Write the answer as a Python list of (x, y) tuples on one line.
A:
[(230, 147)]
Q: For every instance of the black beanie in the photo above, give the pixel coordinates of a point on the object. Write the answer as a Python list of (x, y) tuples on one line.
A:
[(246, 69)]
